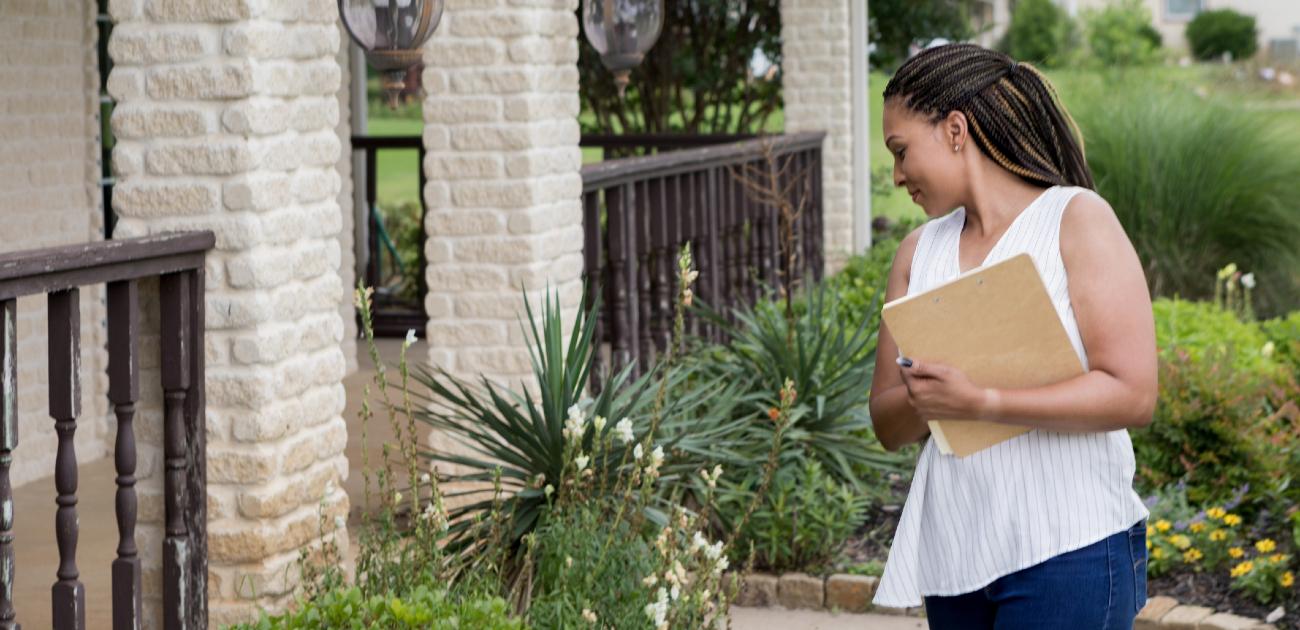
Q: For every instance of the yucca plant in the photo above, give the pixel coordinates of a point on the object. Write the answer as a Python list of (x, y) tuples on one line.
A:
[(829, 357), (1197, 185), (521, 438)]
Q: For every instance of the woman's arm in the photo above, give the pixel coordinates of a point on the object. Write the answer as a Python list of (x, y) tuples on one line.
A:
[(1109, 296), (896, 422)]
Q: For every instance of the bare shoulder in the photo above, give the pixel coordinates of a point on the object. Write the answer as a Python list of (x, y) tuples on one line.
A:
[(900, 270), (1089, 226)]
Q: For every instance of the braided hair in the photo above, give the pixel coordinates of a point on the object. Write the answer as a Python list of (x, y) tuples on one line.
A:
[(1014, 113)]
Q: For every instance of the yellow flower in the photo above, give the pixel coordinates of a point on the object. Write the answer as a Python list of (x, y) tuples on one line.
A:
[(1215, 513), (1236, 552), (1157, 553), (1148, 544), (1231, 520), (1287, 579), (1278, 558), (1192, 555), (1242, 568), (1197, 527), (1151, 531), (1218, 535), (1180, 541), (1163, 526), (1266, 545)]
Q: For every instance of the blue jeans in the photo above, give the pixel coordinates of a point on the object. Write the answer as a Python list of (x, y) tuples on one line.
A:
[(1099, 587)]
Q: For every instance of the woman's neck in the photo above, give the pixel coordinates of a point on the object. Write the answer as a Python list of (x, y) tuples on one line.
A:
[(994, 199)]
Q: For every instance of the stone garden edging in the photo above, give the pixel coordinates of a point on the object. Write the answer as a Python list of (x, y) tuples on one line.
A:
[(843, 592)]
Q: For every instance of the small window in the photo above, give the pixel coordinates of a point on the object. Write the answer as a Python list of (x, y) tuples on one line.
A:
[(1182, 9)]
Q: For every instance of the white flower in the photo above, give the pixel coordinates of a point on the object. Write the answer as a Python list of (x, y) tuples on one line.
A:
[(581, 462), (650, 580), (1248, 280), (339, 522), (658, 610), (637, 452), (588, 616), (549, 490), (624, 430), (722, 565), (1267, 350), (714, 551), (424, 478), (397, 497), (410, 339), (568, 561), (675, 592), (599, 423), (657, 456), (576, 424), (699, 542)]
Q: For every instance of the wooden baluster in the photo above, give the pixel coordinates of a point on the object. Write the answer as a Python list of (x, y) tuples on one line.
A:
[(593, 274), (817, 228), (622, 271), (123, 392), (68, 595), (195, 514), (646, 258), (175, 316), (8, 442), (664, 216)]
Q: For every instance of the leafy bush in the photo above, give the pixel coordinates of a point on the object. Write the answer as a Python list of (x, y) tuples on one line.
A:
[(893, 25), (1120, 34), (423, 608), (1197, 185), (1202, 330), (801, 523), (1040, 32), (829, 356), (1212, 33), (1209, 429), (1284, 334)]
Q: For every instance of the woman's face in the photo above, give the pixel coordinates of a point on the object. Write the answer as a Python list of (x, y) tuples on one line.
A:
[(924, 161)]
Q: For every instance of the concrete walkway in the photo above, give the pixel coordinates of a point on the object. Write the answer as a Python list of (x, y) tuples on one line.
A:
[(782, 619)]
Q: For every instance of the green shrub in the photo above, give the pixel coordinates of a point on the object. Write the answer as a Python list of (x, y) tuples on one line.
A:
[(1284, 333), (1120, 34), (1203, 330), (829, 356), (423, 608), (1212, 33), (801, 523), (577, 569), (1210, 429), (1040, 32), (1197, 185)]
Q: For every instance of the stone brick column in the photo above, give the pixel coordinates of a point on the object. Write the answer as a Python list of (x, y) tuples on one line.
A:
[(504, 185), (226, 120), (817, 88)]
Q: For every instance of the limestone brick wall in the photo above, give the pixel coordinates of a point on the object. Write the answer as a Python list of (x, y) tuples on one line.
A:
[(49, 195), (347, 249), (816, 87), (504, 187), (227, 120)]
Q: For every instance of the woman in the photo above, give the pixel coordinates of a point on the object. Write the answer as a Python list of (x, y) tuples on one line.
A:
[(1043, 530)]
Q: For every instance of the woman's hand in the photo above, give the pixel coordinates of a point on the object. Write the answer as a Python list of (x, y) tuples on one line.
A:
[(942, 392)]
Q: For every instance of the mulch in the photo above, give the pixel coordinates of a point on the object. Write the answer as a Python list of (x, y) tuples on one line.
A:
[(873, 538)]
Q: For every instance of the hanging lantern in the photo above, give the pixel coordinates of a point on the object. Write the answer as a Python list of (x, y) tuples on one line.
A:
[(392, 34), (622, 31)]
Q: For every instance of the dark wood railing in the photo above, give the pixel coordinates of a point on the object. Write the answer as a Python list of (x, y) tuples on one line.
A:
[(59, 273), (392, 315), (623, 145), (638, 212)]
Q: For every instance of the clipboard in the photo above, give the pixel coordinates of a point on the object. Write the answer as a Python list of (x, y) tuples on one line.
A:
[(996, 324)]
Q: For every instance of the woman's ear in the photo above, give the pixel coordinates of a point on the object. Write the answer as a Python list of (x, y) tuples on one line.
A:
[(954, 130)]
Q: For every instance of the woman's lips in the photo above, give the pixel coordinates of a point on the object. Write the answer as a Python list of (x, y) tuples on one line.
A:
[(916, 195)]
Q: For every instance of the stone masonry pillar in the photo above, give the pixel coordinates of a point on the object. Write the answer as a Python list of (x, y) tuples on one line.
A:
[(226, 120), (504, 183), (817, 87)]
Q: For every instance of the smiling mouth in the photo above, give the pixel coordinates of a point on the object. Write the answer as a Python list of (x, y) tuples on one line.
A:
[(915, 195)]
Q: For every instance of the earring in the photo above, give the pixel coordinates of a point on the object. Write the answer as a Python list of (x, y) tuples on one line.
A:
[(955, 148)]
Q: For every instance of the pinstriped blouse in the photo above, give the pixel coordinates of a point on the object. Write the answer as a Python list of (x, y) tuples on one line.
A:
[(968, 521)]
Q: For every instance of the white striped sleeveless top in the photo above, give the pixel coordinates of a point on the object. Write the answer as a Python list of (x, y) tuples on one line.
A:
[(968, 521)]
